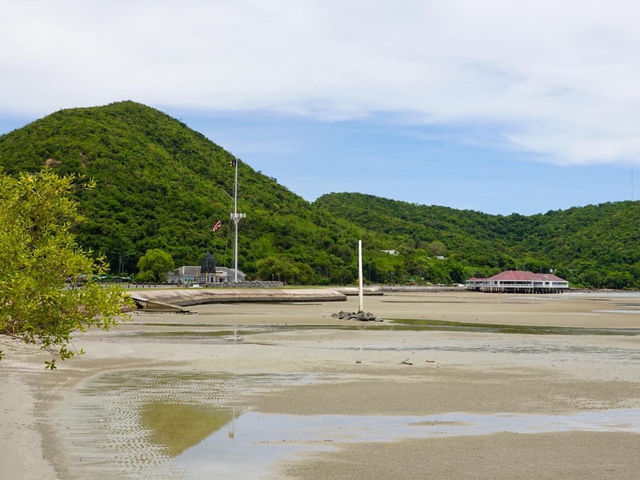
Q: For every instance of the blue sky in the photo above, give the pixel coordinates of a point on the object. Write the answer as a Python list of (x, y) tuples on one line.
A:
[(489, 105), (427, 165)]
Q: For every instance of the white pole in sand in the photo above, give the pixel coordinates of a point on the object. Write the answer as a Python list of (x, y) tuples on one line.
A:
[(360, 293)]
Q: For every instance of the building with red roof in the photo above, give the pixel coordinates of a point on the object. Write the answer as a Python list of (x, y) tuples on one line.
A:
[(517, 281)]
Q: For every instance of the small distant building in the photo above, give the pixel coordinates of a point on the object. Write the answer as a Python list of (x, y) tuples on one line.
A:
[(189, 274), (390, 252), (225, 274), (515, 281), (207, 273), (184, 274)]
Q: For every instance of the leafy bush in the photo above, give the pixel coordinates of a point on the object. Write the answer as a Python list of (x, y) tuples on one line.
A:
[(40, 265)]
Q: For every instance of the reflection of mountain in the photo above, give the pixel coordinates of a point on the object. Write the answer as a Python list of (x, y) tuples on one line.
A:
[(178, 427)]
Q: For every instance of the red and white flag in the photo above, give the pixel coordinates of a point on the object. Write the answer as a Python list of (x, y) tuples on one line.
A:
[(216, 226)]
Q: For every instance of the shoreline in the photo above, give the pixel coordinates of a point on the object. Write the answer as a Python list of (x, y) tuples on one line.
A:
[(357, 372)]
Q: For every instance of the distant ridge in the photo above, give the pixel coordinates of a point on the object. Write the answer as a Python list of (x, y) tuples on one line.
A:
[(596, 246)]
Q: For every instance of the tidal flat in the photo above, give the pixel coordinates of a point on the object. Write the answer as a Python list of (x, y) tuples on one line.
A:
[(450, 385)]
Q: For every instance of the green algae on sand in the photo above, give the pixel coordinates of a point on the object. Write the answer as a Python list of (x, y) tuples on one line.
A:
[(178, 427)]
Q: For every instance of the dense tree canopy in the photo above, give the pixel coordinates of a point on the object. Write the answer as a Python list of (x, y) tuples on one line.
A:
[(284, 269), (594, 246), (154, 265), (39, 263)]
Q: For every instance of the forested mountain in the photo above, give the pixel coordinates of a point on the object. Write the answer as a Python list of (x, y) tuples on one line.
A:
[(159, 184), (594, 246), (162, 185)]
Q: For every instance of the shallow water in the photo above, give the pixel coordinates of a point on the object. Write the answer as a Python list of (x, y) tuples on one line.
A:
[(226, 334), (633, 310), (260, 440), (130, 424), (162, 424), (513, 329), (601, 294)]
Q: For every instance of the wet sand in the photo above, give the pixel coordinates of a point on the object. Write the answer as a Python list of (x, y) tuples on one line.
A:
[(329, 370), (570, 310), (503, 456)]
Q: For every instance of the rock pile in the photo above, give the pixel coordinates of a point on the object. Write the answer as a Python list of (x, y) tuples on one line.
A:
[(362, 316)]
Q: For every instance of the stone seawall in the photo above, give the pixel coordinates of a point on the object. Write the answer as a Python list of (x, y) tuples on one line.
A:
[(186, 297), (352, 291)]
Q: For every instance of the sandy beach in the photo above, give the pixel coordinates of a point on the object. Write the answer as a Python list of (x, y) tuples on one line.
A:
[(287, 391)]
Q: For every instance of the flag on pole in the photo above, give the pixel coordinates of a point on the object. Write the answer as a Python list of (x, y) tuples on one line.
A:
[(216, 226)]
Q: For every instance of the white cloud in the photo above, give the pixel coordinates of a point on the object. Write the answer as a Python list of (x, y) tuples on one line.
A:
[(559, 78)]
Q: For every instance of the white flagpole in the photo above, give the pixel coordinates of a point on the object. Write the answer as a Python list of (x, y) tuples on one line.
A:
[(235, 216), (360, 293)]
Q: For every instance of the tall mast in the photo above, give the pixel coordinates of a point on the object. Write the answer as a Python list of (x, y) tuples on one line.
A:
[(235, 216), (360, 289)]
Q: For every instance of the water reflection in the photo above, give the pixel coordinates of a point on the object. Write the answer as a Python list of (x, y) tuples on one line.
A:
[(162, 424), (177, 427), (261, 440)]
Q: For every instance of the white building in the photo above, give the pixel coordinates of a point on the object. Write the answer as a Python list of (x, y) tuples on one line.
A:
[(513, 281), (189, 274)]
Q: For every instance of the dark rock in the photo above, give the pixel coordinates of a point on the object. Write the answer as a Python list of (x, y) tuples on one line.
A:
[(362, 316)]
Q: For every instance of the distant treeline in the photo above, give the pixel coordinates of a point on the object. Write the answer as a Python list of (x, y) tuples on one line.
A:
[(596, 246)]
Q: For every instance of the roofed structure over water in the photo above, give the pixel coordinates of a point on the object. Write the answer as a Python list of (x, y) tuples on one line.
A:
[(516, 281)]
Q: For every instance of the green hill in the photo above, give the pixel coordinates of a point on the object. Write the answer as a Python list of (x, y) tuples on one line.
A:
[(160, 184), (594, 246)]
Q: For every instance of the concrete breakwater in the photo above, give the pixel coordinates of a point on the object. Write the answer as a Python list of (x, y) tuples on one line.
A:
[(421, 288), (352, 291), (160, 299)]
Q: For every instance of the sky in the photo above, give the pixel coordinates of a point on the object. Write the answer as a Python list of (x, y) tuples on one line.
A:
[(496, 105)]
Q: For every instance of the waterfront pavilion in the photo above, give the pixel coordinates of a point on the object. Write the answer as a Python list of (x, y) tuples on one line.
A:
[(516, 281)]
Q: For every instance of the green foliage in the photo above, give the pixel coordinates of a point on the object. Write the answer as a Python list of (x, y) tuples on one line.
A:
[(38, 258), (436, 248), (595, 246), (162, 185), (284, 269), (154, 266)]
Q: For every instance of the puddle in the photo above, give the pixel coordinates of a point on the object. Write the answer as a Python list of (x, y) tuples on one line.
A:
[(178, 427), (513, 329), (618, 311), (131, 424), (604, 295), (398, 325), (231, 334), (252, 445), (226, 333), (603, 354), (254, 433), (189, 425)]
